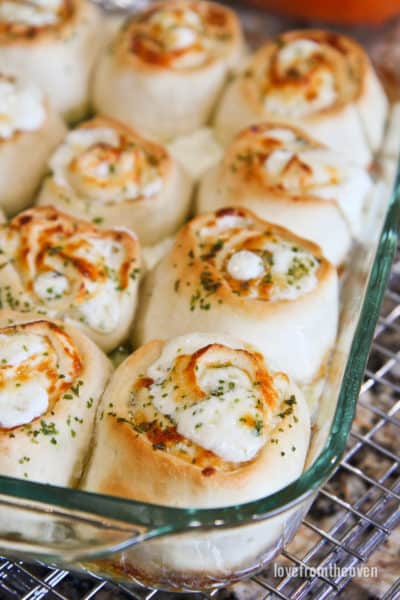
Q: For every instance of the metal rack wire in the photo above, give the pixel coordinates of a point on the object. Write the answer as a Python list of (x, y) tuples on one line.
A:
[(353, 515)]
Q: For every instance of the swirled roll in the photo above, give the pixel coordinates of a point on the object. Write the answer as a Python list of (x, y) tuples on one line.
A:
[(199, 421), (231, 272), (112, 176), (56, 265), (320, 80), (166, 68), (53, 43), (51, 379), (289, 178), (29, 132)]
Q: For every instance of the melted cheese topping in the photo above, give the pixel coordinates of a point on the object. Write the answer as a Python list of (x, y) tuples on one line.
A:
[(280, 134), (282, 160), (50, 285), (67, 267), (188, 344), (293, 271), (244, 265), (19, 406), (38, 363), (300, 74), (36, 13), (19, 348), (255, 261), (101, 312), (318, 172), (175, 29), (318, 93), (21, 107), (103, 166), (217, 399), (272, 154), (226, 221), (181, 35)]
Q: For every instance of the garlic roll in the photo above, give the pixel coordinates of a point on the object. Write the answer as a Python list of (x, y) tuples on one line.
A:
[(288, 178), (56, 265), (54, 44), (51, 379), (165, 70), (109, 174), (320, 80), (198, 421), (233, 273), (29, 132)]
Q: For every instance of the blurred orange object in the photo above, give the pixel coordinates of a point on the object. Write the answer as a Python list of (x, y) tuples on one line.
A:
[(335, 11)]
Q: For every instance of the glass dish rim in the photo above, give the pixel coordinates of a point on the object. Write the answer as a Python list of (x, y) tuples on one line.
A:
[(160, 520)]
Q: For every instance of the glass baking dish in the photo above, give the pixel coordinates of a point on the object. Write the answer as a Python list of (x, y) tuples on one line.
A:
[(179, 548)]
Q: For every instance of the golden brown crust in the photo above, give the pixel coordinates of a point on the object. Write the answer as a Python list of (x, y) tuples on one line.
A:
[(60, 341), (61, 266), (184, 381), (58, 227), (143, 471), (143, 188), (141, 42), (244, 173), (166, 467), (233, 273), (341, 55), (286, 177), (52, 448), (192, 266), (153, 153), (320, 79), (172, 88)]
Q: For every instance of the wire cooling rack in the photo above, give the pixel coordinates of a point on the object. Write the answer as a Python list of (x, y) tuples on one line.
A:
[(354, 516)]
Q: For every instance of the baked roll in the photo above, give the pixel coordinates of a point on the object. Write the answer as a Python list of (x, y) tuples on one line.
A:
[(232, 273), (290, 179), (112, 176), (29, 132), (51, 379), (68, 269), (319, 79), (166, 68), (198, 421), (53, 43)]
